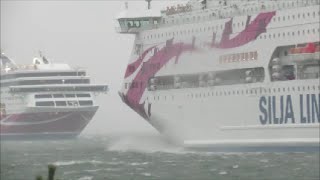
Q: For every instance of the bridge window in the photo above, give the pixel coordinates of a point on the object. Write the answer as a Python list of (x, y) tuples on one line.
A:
[(45, 103), (58, 95), (83, 95), (70, 95), (85, 103), (41, 96), (61, 103)]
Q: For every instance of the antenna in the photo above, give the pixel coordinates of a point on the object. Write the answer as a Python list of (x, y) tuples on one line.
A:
[(149, 4), (126, 5)]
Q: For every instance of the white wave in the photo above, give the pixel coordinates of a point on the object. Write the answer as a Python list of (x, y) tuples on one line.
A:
[(146, 174), (223, 173), (264, 160), (86, 178), (235, 166), (115, 163), (138, 164), (146, 143), (93, 170), (69, 163)]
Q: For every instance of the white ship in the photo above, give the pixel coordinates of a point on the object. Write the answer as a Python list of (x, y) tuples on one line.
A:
[(45, 100), (228, 73)]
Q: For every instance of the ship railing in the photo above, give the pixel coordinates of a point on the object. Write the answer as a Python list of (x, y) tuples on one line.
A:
[(223, 12), (52, 88), (135, 30)]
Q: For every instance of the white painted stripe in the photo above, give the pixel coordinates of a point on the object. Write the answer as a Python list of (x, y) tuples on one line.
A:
[(273, 126)]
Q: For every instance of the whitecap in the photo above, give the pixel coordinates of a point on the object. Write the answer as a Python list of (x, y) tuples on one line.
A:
[(138, 164), (146, 174), (86, 178), (264, 160), (223, 173), (93, 170), (69, 163), (235, 166), (115, 163)]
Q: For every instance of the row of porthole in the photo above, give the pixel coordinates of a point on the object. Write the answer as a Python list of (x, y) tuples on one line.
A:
[(293, 33), (217, 27), (284, 34), (244, 10), (255, 91), (298, 16)]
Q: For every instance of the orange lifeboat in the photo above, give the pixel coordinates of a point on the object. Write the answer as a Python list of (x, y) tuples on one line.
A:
[(310, 48)]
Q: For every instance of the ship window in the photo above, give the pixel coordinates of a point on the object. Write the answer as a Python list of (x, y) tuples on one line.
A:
[(39, 96), (70, 95), (45, 103), (83, 95), (85, 103), (58, 96), (61, 103), (72, 103)]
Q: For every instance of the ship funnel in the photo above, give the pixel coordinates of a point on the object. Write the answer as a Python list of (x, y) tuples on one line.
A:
[(149, 4)]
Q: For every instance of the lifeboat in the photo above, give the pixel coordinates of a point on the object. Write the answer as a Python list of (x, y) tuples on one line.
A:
[(310, 52), (309, 48)]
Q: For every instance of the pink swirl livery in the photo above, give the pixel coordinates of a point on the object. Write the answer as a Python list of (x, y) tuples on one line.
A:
[(227, 73)]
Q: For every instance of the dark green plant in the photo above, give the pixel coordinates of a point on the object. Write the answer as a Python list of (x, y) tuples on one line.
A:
[(39, 178), (51, 171)]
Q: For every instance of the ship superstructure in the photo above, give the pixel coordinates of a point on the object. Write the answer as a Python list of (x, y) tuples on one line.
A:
[(227, 73), (45, 100)]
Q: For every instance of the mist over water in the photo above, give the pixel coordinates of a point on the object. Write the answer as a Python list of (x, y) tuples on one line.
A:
[(145, 156)]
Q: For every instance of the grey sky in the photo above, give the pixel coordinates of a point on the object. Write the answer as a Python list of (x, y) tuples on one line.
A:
[(80, 33)]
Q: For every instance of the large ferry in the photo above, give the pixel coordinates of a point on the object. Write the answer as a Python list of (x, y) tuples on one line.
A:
[(238, 73), (45, 100)]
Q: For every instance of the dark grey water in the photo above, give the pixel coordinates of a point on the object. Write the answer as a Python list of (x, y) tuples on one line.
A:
[(142, 157)]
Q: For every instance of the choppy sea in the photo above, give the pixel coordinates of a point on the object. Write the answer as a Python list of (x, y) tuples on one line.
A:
[(147, 157)]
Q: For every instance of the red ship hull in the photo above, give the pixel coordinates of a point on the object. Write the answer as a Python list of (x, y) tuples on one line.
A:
[(53, 124)]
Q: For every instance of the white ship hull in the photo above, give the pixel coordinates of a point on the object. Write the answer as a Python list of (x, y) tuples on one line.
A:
[(178, 75), (287, 118), (45, 100)]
